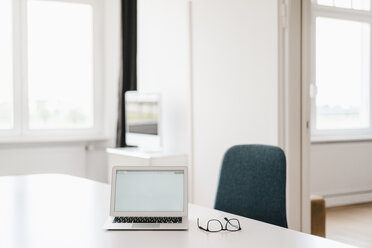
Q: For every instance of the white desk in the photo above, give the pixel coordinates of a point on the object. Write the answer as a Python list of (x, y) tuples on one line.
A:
[(64, 211)]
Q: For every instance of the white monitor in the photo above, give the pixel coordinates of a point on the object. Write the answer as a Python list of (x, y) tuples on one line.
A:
[(142, 117)]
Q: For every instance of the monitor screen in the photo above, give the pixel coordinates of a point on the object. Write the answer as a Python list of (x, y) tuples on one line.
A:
[(149, 191), (142, 113)]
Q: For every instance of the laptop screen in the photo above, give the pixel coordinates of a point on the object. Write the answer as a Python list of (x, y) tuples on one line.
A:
[(149, 191)]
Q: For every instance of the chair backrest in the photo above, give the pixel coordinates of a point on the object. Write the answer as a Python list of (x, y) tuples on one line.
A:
[(253, 183)]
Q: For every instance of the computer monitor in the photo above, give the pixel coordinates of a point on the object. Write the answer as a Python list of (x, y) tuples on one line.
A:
[(142, 117)]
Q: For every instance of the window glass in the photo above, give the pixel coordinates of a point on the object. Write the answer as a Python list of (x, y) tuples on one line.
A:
[(350, 4), (361, 4), (342, 3), (325, 2), (60, 65), (342, 74), (6, 65)]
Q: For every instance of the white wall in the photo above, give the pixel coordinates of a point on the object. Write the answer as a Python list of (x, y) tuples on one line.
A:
[(84, 159), (342, 172), (233, 86), (38, 158), (235, 83), (164, 66)]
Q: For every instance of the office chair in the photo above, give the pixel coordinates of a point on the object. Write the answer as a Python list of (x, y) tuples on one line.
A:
[(252, 183)]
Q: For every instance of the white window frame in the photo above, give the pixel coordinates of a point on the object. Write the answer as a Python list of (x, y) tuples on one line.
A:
[(343, 14), (21, 131)]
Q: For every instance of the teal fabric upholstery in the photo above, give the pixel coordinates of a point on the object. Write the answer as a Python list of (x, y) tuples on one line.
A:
[(252, 183)]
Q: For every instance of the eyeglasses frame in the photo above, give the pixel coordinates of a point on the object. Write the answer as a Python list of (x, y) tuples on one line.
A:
[(222, 229)]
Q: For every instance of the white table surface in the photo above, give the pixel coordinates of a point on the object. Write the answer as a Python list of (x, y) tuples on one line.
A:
[(66, 211)]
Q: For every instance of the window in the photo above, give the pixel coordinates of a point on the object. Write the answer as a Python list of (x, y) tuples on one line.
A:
[(341, 65), (54, 46), (6, 69)]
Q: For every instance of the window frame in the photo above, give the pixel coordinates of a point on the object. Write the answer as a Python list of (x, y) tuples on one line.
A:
[(21, 131), (364, 16)]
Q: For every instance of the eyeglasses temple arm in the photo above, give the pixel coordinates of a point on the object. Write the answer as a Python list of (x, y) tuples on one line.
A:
[(202, 227)]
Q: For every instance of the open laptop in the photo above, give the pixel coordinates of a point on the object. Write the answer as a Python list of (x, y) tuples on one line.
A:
[(148, 197)]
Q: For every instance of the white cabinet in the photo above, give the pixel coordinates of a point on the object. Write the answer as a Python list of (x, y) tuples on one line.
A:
[(136, 157)]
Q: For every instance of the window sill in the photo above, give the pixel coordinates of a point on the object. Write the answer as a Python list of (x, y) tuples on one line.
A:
[(341, 139), (52, 139)]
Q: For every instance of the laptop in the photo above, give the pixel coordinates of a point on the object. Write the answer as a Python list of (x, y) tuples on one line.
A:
[(148, 198)]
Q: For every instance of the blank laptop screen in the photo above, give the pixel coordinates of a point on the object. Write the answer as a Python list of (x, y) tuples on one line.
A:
[(149, 191)]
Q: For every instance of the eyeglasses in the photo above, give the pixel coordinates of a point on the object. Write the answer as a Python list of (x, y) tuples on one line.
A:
[(215, 225)]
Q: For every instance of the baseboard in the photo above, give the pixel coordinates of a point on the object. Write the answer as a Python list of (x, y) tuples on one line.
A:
[(342, 199)]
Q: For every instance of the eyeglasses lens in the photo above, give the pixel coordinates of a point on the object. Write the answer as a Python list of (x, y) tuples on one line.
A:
[(233, 225), (214, 226)]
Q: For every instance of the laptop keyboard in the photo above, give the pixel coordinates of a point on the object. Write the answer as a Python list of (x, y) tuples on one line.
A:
[(147, 220)]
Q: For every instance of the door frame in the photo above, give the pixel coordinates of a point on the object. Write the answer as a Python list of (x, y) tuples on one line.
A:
[(294, 111)]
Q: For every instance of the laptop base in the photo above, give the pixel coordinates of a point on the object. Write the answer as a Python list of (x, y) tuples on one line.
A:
[(145, 226)]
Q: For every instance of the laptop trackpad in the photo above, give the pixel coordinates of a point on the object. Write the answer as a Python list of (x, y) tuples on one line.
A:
[(146, 225)]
